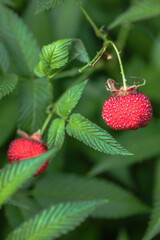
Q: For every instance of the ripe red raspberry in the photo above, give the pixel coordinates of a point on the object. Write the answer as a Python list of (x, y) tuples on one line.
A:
[(127, 111), (23, 148)]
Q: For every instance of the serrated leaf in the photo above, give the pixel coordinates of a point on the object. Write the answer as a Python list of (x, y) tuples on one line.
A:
[(31, 207), (69, 100), (33, 101), (154, 223), (65, 187), (8, 83), (56, 134), (53, 57), (19, 42), (43, 5), (55, 221), (13, 175), (78, 51), (142, 10), (4, 59), (8, 120), (94, 136), (143, 150)]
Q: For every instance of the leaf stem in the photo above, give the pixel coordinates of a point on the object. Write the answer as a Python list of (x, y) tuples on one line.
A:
[(99, 33), (120, 63), (92, 62), (49, 90), (46, 123)]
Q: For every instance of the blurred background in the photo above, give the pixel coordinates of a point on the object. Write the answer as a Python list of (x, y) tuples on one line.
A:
[(139, 45)]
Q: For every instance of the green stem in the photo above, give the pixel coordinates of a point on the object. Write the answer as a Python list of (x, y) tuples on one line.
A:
[(93, 60), (50, 91), (120, 63), (99, 33), (46, 123)]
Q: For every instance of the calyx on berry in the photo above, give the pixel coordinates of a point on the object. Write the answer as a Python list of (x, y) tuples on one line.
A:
[(117, 92)]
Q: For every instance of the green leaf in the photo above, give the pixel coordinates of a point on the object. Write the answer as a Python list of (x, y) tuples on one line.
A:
[(8, 83), (4, 59), (78, 51), (19, 42), (143, 150), (154, 224), (27, 206), (94, 136), (13, 175), (56, 134), (8, 120), (142, 10), (43, 5), (69, 100), (55, 221), (53, 57), (64, 187), (12, 212), (33, 101)]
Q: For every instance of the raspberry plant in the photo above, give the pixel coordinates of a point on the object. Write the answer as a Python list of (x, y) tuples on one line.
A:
[(49, 84)]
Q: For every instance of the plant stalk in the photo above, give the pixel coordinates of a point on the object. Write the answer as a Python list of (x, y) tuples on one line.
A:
[(99, 33), (50, 91), (46, 123), (120, 63)]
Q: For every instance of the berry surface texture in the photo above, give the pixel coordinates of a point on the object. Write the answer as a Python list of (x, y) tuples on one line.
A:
[(128, 112), (21, 149)]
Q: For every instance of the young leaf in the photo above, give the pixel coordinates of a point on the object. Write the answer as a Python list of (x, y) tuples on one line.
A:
[(56, 134), (13, 175), (4, 59), (19, 42), (64, 187), (78, 51), (33, 101), (43, 5), (8, 83), (69, 100), (154, 224), (143, 150), (53, 57), (55, 221), (93, 136), (142, 10)]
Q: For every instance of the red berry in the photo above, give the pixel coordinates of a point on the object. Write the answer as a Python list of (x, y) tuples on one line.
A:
[(23, 148), (127, 112)]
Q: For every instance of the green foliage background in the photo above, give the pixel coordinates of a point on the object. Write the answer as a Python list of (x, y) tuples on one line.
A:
[(79, 179)]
